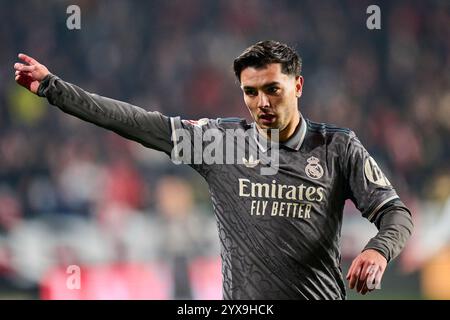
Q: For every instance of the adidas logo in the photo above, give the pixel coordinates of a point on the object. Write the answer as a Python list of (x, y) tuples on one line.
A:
[(250, 163)]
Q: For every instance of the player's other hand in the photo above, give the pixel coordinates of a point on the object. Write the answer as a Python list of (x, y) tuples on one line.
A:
[(366, 271), (30, 73)]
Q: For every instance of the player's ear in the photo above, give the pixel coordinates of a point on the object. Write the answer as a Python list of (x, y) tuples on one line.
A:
[(298, 86)]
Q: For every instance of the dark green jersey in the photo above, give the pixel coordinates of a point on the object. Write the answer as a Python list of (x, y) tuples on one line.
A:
[(279, 233)]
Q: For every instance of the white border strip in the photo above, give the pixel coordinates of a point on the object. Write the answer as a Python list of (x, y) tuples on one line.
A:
[(380, 205), (174, 136), (256, 138), (302, 132)]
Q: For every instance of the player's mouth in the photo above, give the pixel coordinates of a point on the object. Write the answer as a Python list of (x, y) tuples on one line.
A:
[(267, 118)]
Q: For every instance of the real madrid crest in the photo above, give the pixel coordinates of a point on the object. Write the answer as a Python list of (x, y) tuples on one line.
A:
[(313, 169)]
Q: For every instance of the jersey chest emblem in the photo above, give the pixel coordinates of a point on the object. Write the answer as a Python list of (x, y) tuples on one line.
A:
[(313, 169)]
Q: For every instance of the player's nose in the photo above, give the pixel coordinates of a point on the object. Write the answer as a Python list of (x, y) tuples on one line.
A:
[(263, 101)]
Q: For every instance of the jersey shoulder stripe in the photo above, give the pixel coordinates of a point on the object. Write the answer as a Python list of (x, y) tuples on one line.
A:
[(233, 122), (325, 128)]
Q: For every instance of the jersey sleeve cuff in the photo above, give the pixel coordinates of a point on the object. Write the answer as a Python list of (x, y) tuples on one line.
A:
[(45, 84)]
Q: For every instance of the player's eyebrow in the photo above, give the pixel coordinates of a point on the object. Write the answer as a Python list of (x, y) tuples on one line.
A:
[(270, 84)]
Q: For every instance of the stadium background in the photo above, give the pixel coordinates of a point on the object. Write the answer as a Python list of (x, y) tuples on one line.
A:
[(142, 227)]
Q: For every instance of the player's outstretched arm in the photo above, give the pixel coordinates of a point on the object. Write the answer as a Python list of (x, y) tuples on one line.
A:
[(152, 129)]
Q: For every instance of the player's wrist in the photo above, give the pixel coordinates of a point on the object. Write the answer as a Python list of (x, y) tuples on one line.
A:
[(43, 85), (379, 250)]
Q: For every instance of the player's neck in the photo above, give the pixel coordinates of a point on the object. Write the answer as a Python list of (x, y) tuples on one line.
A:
[(285, 133), (290, 129)]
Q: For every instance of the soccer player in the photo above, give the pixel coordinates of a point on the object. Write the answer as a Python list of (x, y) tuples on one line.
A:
[(279, 231)]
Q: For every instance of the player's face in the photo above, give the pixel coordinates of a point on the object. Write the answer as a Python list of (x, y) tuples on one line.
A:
[(272, 97)]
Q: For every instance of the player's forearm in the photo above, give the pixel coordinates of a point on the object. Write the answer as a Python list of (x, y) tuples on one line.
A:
[(395, 228), (149, 128)]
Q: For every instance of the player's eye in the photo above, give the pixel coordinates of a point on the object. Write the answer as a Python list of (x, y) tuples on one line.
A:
[(272, 90), (250, 92)]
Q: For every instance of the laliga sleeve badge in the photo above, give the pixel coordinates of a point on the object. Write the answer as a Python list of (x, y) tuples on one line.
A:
[(313, 169), (374, 174), (198, 123)]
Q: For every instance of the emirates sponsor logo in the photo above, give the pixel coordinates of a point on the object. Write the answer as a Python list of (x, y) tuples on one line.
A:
[(274, 199)]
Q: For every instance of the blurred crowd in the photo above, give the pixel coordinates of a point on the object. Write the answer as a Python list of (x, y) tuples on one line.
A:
[(74, 193)]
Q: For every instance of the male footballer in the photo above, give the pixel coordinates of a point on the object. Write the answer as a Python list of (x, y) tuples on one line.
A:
[(279, 231)]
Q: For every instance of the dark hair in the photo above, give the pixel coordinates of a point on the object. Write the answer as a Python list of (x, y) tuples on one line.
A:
[(267, 52)]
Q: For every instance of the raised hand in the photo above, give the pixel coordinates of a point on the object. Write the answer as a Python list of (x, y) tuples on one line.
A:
[(30, 74), (366, 271)]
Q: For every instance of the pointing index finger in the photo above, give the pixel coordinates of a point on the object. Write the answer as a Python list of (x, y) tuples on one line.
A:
[(27, 59)]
